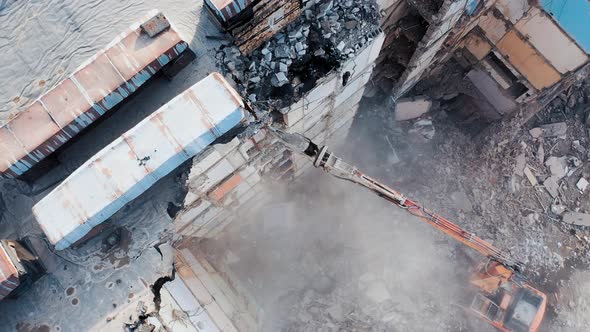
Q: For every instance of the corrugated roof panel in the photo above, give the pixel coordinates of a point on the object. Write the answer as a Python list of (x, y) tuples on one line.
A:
[(11, 151), (37, 132), (227, 9), (97, 86), (66, 105), (131, 164)]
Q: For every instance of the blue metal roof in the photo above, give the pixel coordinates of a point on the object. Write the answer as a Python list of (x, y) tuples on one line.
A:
[(573, 16)]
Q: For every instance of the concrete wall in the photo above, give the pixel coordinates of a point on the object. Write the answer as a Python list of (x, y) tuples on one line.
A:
[(448, 17), (528, 41)]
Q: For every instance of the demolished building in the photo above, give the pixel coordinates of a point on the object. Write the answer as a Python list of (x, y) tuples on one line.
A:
[(303, 66), (514, 54), (327, 57)]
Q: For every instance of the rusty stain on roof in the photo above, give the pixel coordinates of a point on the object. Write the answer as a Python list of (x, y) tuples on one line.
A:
[(98, 85)]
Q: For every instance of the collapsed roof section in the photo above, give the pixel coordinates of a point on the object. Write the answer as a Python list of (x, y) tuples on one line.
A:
[(284, 68)]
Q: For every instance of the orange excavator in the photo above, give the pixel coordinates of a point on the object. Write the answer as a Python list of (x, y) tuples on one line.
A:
[(503, 299)]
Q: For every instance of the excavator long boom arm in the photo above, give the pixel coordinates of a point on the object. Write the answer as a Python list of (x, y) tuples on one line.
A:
[(324, 159)]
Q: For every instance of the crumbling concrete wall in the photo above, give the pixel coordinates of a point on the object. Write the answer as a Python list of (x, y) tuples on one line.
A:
[(445, 21), (533, 49), (228, 176)]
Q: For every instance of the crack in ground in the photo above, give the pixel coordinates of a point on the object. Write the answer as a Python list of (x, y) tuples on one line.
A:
[(142, 319)]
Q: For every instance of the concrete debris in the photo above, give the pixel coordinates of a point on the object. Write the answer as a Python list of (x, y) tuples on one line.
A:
[(557, 166), (536, 132), (424, 128), (558, 209), (513, 184), (412, 108), (577, 218), (520, 164), (555, 129), (541, 153), (552, 186), (530, 176), (577, 146), (279, 79), (317, 42), (582, 184)]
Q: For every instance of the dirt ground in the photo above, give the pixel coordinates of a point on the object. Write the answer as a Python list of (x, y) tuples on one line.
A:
[(327, 255)]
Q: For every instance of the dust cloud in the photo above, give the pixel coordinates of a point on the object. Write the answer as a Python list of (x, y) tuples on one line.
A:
[(327, 255)]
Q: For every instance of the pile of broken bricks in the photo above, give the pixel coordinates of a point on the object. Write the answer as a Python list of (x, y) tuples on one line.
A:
[(557, 175), (328, 32), (415, 110)]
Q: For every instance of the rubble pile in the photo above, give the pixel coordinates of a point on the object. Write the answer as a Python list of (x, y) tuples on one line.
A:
[(320, 40), (546, 176), (528, 196), (373, 307)]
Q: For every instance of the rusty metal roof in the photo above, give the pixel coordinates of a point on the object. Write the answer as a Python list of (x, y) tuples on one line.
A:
[(226, 9), (134, 162), (9, 280), (97, 86)]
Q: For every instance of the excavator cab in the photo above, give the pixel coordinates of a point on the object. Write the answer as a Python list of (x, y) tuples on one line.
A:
[(506, 302)]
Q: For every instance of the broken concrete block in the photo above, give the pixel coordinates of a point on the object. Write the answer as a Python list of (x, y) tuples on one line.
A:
[(536, 132), (293, 117), (411, 108), (541, 153), (557, 166), (577, 218), (203, 162), (520, 164), (213, 176), (424, 128), (279, 79), (576, 145), (191, 213), (582, 184), (282, 52), (530, 176), (552, 186), (558, 209), (554, 129), (513, 184)]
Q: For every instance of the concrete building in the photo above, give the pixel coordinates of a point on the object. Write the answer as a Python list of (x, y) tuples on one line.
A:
[(519, 51), (514, 52)]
